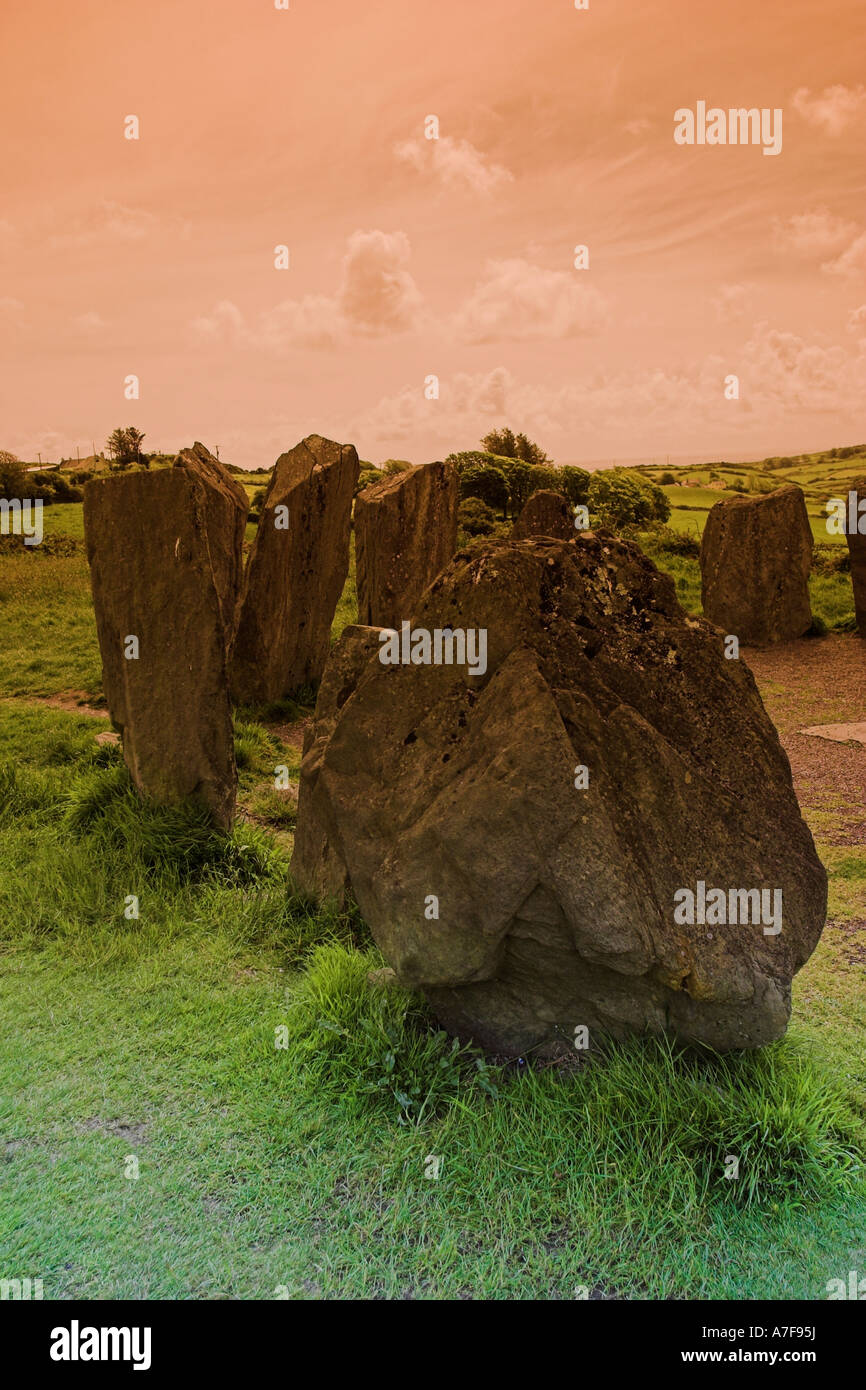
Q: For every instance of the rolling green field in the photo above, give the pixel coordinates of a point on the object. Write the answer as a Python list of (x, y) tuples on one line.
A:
[(215, 1100)]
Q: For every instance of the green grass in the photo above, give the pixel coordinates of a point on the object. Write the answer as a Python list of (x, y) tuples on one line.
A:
[(283, 1103), (282, 1108)]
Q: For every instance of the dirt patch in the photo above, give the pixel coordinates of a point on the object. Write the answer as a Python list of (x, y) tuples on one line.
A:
[(290, 734), (812, 681), (76, 701), (135, 1134)]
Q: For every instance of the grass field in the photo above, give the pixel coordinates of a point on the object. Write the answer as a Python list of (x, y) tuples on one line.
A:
[(213, 1100)]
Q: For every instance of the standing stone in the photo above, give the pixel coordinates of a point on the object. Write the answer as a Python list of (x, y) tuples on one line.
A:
[(756, 554), (296, 571), (857, 550), (150, 541), (518, 840), (545, 513), (227, 506), (317, 865), (405, 534)]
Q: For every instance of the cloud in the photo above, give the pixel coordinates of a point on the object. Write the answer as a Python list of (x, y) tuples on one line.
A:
[(639, 126), (455, 163), (783, 379), (852, 260), (91, 322), (834, 110), (816, 233), (376, 297), (731, 303), (516, 300), (377, 293), (107, 221), (857, 319)]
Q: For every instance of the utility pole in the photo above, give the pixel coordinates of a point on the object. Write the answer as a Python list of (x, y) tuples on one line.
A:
[(39, 456)]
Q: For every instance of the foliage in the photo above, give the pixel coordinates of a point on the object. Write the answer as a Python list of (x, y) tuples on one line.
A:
[(506, 444), (13, 477), (124, 447), (621, 498), (367, 477), (476, 518)]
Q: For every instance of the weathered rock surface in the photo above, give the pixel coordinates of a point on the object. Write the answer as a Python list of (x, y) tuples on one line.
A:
[(318, 867), (227, 506), (405, 534), (151, 539), (857, 551), (522, 905), (296, 571), (545, 513), (756, 554)]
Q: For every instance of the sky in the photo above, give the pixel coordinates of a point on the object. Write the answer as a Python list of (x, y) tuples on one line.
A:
[(431, 292)]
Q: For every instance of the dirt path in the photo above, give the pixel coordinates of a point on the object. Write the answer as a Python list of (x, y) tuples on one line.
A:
[(819, 681)]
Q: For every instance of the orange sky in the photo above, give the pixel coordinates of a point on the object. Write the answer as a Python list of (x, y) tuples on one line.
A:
[(412, 257)]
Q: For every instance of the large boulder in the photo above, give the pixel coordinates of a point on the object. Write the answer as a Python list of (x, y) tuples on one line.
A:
[(756, 554), (162, 602), (527, 897), (227, 505), (545, 513), (296, 571), (405, 534), (857, 550)]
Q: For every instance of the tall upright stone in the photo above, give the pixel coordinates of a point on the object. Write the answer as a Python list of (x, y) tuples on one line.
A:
[(227, 505), (857, 550), (545, 513), (296, 571), (756, 554), (405, 535), (161, 605)]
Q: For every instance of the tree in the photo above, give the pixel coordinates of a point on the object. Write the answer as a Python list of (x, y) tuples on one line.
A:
[(487, 483), (124, 446), (621, 499), (509, 445), (13, 479), (476, 518)]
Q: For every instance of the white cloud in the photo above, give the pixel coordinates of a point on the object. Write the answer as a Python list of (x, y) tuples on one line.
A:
[(783, 379), (516, 299), (815, 233), (833, 110), (376, 297), (852, 260), (456, 163), (91, 322), (857, 319)]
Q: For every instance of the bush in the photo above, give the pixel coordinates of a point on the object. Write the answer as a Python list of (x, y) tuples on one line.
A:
[(258, 501), (521, 480), (476, 518), (486, 483), (53, 486), (391, 466), (667, 479), (14, 481), (367, 477), (677, 542), (623, 499)]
